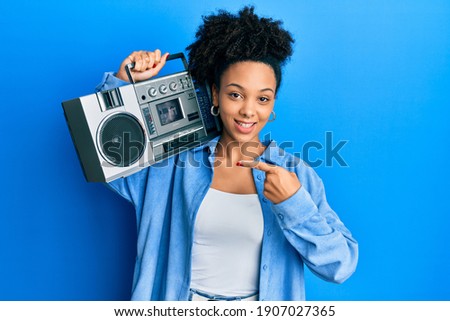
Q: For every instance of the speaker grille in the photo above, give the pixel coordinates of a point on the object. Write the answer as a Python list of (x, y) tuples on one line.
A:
[(122, 140)]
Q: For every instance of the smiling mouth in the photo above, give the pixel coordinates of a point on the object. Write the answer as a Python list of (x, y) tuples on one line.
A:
[(244, 124)]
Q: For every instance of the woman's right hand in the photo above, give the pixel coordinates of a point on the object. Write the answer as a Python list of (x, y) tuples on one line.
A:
[(147, 64)]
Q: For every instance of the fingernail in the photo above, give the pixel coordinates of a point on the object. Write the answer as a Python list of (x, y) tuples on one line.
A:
[(239, 164)]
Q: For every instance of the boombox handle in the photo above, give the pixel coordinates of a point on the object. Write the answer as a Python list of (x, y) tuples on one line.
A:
[(179, 55)]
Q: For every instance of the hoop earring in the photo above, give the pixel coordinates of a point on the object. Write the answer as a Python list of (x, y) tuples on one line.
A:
[(274, 117), (212, 111)]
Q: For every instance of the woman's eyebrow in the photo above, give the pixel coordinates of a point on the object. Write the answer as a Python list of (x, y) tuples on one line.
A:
[(242, 88)]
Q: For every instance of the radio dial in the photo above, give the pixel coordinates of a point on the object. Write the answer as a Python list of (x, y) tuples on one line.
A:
[(163, 89), (152, 92), (173, 86)]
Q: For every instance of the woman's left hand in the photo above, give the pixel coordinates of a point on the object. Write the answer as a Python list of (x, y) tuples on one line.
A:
[(280, 184)]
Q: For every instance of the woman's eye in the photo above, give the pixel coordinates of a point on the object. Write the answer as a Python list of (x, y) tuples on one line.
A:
[(235, 95), (264, 99)]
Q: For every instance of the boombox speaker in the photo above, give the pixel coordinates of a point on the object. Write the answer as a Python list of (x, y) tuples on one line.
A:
[(120, 131)]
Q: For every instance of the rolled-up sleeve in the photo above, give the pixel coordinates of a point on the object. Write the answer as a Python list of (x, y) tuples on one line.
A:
[(109, 81)]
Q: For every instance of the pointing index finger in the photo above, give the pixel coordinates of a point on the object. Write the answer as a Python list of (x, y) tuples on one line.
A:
[(265, 167)]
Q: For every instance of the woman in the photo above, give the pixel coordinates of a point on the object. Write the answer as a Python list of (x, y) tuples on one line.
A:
[(237, 218)]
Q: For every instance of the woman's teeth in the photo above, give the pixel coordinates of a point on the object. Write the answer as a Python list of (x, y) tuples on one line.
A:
[(245, 125)]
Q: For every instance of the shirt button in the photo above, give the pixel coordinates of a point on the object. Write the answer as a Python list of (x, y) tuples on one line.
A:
[(269, 232), (281, 216), (259, 177), (264, 200), (265, 267)]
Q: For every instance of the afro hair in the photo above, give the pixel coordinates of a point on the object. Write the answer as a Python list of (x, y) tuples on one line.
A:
[(225, 38)]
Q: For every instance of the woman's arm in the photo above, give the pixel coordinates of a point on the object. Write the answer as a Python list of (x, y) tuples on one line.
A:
[(308, 222)]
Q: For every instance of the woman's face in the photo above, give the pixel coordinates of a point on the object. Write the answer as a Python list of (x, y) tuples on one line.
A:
[(245, 98)]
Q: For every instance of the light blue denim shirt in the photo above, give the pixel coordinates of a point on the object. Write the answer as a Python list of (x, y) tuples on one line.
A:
[(300, 230)]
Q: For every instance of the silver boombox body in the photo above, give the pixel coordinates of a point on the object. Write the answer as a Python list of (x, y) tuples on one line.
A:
[(120, 131)]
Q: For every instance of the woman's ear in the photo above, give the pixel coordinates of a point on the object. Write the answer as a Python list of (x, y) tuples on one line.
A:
[(215, 95)]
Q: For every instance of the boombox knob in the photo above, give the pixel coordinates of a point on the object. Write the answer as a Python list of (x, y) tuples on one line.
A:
[(163, 89), (152, 92), (173, 86)]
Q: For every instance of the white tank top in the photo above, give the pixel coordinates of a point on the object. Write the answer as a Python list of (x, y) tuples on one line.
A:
[(227, 244)]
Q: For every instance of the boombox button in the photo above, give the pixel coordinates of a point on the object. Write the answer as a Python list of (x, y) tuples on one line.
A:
[(152, 92), (163, 89), (173, 86)]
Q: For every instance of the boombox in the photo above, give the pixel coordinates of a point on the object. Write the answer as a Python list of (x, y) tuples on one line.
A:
[(120, 131)]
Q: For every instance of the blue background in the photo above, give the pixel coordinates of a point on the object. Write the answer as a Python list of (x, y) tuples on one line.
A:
[(375, 73)]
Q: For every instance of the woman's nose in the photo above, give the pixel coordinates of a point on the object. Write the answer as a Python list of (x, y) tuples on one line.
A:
[(248, 109)]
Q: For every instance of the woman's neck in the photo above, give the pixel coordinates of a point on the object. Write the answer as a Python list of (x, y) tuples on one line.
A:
[(233, 151)]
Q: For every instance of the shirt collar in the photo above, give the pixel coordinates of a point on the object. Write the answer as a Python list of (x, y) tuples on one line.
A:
[(272, 154)]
